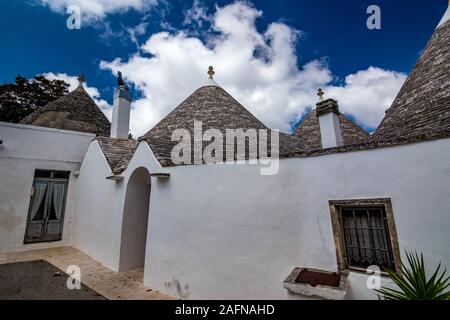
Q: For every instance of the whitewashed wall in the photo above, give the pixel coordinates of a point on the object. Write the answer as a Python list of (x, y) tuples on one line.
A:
[(142, 158), (225, 232), (98, 224), (92, 226), (25, 149)]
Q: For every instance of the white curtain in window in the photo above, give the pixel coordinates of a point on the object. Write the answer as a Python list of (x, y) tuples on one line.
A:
[(38, 196), (58, 199)]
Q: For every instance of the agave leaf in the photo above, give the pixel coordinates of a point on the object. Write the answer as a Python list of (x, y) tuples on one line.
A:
[(410, 274), (413, 283), (416, 275), (392, 294), (441, 279), (444, 296), (403, 285), (433, 286)]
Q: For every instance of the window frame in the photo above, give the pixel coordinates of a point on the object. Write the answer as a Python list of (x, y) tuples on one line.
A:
[(338, 232), (50, 181)]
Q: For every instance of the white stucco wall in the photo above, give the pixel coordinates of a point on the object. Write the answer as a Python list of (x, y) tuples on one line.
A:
[(92, 225), (98, 224), (25, 149), (225, 232)]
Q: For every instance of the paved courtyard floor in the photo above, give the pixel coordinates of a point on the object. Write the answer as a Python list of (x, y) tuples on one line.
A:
[(39, 280), (107, 283)]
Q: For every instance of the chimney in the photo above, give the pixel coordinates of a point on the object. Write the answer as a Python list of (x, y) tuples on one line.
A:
[(330, 126), (121, 110)]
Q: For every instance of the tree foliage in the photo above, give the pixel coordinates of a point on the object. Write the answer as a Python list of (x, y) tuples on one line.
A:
[(19, 99)]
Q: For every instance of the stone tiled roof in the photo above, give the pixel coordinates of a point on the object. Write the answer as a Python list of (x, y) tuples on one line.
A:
[(118, 152), (75, 111), (422, 108), (369, 145), (309, 131), (216, 109), (420, 112)]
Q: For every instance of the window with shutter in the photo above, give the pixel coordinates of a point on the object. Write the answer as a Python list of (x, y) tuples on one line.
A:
[(364, 233), (47, 206)]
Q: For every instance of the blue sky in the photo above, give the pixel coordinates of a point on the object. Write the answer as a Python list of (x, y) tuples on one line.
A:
[(293, 47)]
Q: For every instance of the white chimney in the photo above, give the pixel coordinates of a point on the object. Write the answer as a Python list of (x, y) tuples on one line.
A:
[(330, 125), (121, 111)]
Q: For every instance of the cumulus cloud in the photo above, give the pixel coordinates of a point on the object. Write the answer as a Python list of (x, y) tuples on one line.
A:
[(92, 91), (96, 9), (260, 69), (367, 94)]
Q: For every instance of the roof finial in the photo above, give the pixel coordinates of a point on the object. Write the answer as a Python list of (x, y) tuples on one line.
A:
[(320, 93), (211, 72), (119, 79), (81, 79), (120, 82)]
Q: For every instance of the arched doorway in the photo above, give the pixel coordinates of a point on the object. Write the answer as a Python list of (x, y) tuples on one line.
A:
[(135, 220)]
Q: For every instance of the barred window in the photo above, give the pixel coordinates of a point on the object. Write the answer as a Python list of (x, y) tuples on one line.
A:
[(366, 237)]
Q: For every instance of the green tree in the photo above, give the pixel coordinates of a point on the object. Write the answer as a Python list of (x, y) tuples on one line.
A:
[(19, 99)]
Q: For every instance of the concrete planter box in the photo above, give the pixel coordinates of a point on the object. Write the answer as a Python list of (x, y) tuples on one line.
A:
[(328, 292)]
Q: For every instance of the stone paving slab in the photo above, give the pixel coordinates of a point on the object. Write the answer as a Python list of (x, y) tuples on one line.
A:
[(39, 280), (111, 285)]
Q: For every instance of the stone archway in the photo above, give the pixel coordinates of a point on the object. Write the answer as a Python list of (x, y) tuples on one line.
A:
[(135, 221)]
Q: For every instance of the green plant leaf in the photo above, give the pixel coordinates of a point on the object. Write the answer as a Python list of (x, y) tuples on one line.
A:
[(414, 285)]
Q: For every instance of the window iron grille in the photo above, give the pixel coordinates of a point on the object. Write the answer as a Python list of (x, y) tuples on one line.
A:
[(366, 237)]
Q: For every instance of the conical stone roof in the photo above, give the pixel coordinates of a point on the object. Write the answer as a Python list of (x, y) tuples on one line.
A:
[(118, 152), (75, 111), (421, 110), (216, 109)]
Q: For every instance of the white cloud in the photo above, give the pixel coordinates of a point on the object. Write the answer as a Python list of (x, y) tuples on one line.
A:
[(92, 91), (95, 9), (196, 15), (367, 94), (136, 31), (260, 69)]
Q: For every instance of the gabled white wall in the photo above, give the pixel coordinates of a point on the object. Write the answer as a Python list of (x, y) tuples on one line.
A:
[(92, 227), (25, 149), (101, 202), (142, 158), (225, 232)]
